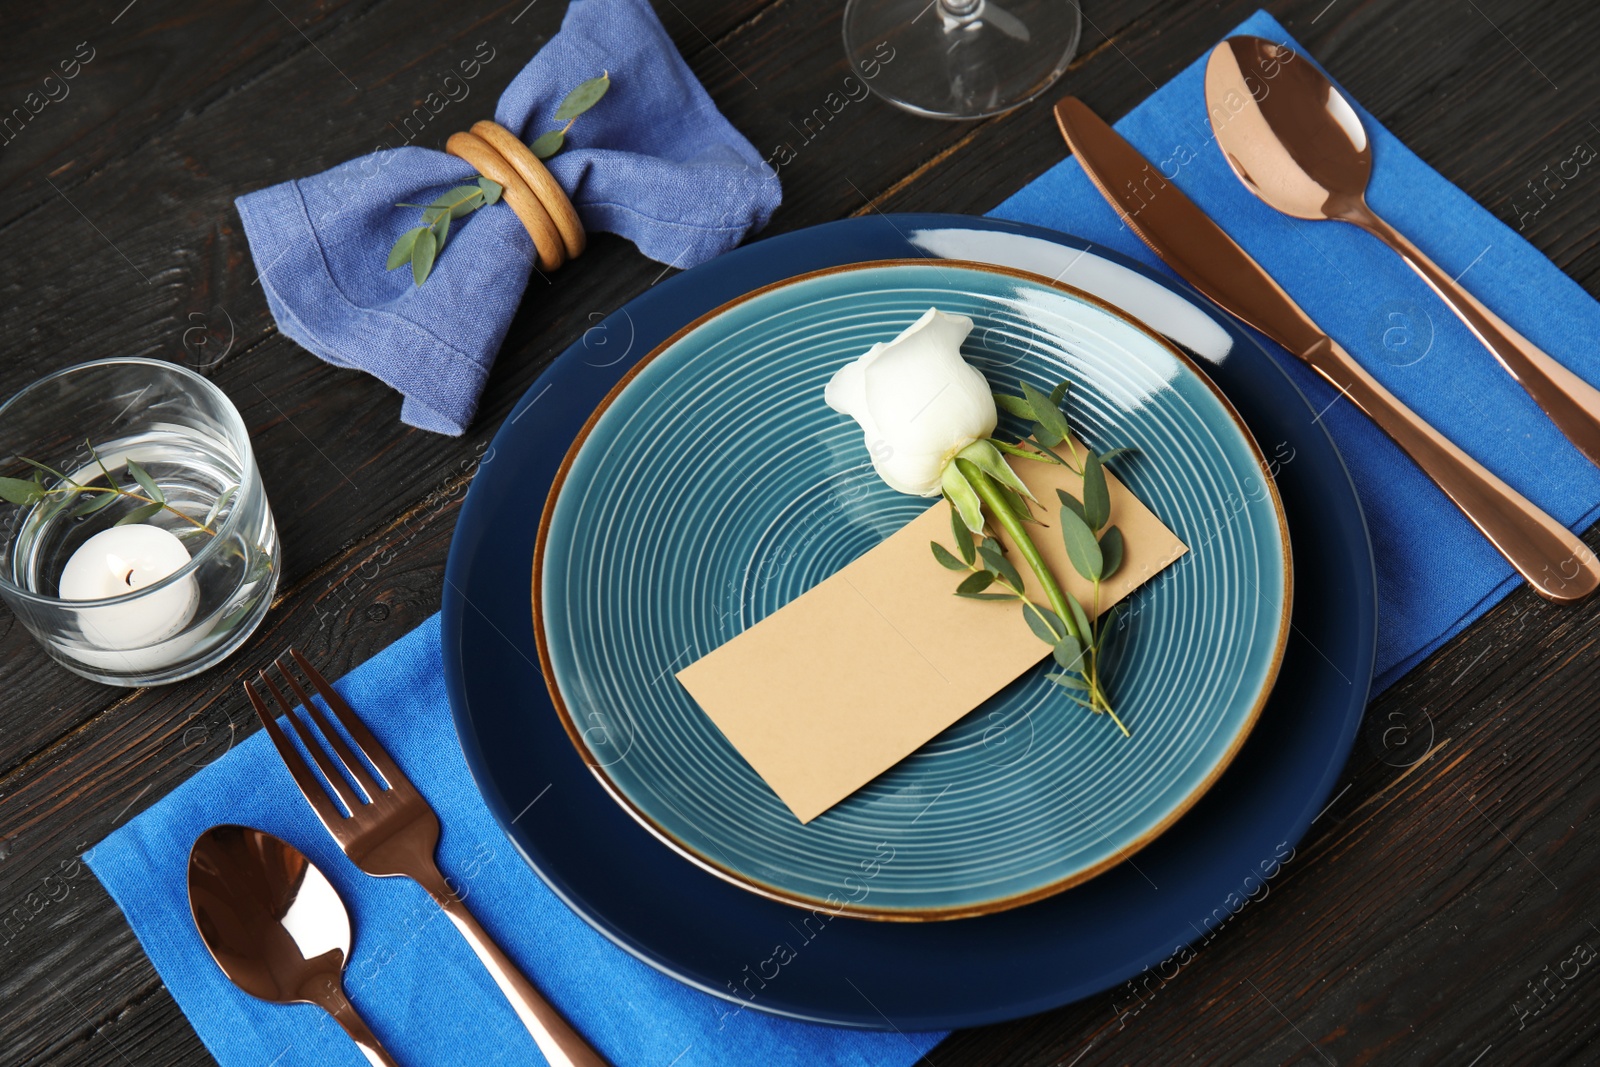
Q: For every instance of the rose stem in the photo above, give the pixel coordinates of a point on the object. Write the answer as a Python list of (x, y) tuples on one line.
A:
[(989, 493)]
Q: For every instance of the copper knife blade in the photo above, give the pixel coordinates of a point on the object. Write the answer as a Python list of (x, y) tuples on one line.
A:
[(1553, 560)]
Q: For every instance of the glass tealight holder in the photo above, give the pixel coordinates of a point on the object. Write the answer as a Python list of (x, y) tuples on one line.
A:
[(136, 543)]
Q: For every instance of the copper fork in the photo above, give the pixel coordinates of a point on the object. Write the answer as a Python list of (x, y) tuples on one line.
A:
[(391, 831)]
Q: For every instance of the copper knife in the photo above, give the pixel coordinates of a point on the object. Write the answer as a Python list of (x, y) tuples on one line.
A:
[(1557, 563)]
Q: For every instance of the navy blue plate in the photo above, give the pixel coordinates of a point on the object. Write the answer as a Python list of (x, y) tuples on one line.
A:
[(834, 969)]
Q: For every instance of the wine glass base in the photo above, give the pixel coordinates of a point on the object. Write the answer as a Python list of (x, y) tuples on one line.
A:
[(960, 59)]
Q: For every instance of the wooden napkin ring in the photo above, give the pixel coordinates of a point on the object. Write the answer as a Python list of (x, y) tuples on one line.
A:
[(530, 209), (538, 178)]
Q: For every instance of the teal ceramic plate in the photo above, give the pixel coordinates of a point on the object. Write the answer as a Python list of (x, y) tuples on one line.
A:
[(714, 486)]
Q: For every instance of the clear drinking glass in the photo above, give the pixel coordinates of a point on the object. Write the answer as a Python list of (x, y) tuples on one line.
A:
[(960, 59), (108, 422)]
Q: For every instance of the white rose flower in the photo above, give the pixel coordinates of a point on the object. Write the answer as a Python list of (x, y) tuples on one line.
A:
[(917, 401)]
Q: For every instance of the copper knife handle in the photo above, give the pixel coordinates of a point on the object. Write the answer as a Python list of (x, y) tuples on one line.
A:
[(1570, 402), (1553, 559)]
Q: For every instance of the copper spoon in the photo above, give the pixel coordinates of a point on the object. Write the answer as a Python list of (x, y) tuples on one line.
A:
[(1296, 142), (275, 925)]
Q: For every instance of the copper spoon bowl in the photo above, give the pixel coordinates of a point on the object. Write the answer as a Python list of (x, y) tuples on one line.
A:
[(1298, 144), (275, 924)]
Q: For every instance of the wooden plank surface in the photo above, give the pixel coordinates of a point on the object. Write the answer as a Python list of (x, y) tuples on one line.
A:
[(1411, 920)]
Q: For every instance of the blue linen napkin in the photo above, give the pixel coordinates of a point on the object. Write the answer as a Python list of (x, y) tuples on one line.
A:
[(410, 975), (654, 161), (1436, 573)]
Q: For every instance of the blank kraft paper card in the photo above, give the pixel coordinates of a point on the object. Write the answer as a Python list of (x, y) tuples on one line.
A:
[(854, 675)]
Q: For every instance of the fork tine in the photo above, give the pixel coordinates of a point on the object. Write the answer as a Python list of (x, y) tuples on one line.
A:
[(358, 770), (335, 781), (303, 776), (368, 745)]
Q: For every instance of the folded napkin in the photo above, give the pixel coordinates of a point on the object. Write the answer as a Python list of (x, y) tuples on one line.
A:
[(1436, 573), (654, 161), (411, 976)]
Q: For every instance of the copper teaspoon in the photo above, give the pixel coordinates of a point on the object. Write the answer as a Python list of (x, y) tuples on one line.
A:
[(1296, 142), (275, 925)]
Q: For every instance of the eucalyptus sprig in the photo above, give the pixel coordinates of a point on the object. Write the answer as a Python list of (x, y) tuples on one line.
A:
[(581, 99), (421, 246), (150, 497), (980, 481)]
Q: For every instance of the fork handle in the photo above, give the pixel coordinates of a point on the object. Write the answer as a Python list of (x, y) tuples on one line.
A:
[(561, 1045)]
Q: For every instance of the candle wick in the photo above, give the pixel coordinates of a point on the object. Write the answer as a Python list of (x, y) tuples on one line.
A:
[(127, 579)]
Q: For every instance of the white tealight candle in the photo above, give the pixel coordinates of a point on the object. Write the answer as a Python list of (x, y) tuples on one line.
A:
[(122, 560)]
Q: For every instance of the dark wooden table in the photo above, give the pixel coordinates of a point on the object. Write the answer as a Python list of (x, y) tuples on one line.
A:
[(1443, 908)]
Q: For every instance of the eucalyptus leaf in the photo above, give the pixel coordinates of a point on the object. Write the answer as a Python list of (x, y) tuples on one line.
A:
[(401, 252), (946, 560), (1116, 453), (1014, 405), (963, 536), (20, 491), (1111, 549), (1070, 501), (1059, 393), (221, 502), (960, 493), (582, 98), (997, 562), (462, 200), (491, 190), (1081, 620), (93, 502), (1053, 427), (975, 583), (36, 465), (138, 514), (1082, 549), (151, 489), (422, 256), (260, 566), (1048, 628), (1096, 497), (98, 462), (1074, 697), (987, 596), (1067, 681), (1052, 455), (1068, 653), (441, 231), (548, 144), (1106, 626)]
